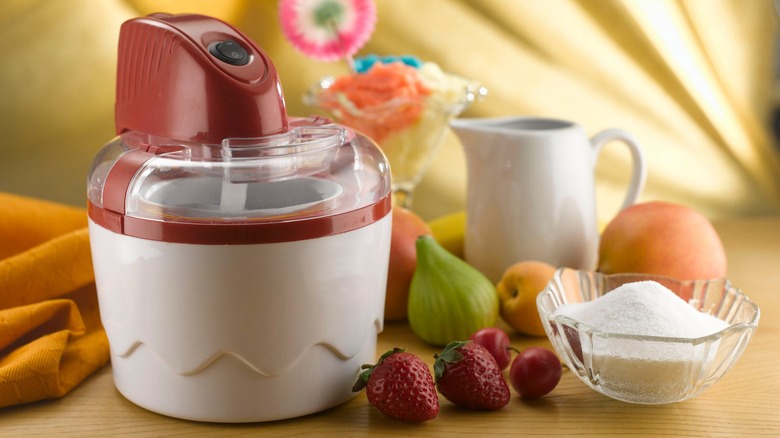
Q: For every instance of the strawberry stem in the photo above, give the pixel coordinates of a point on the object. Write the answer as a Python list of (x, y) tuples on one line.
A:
[(449, 354), (362, 380)]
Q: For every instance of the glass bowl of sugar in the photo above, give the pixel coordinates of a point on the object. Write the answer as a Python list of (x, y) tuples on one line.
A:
[(644, 338)]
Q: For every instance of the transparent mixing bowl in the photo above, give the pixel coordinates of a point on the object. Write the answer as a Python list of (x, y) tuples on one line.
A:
[(647, 369)]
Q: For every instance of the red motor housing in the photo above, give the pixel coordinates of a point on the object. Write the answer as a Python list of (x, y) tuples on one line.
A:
[(195, 78)]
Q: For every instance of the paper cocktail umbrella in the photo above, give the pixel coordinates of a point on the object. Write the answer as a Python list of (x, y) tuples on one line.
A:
[(327, 30)]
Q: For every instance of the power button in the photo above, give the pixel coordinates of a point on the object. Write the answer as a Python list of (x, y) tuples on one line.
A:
[(229, 51)]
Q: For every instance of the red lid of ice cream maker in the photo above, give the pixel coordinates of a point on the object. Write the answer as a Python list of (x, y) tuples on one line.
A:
[(206, 154)]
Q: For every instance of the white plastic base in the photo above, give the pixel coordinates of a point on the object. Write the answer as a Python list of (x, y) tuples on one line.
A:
[(241, 333), (229, 391)]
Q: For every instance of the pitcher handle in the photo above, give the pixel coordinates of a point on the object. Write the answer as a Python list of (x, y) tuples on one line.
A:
[(639, 168)]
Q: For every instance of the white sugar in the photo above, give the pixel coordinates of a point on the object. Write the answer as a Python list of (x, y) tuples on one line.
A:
[(643, 308)]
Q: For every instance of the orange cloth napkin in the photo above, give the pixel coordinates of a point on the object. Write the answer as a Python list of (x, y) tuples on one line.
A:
[(51, 337)]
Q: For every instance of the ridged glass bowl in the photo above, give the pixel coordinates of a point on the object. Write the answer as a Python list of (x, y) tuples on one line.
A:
[(647, 369), (409, 129)]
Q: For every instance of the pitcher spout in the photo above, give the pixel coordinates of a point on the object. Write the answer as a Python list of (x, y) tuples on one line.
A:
[(470, 132), (466, 125)]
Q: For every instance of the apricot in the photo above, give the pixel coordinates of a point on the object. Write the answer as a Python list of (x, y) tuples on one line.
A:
[(517, 291), (662, 238), (407, 227)]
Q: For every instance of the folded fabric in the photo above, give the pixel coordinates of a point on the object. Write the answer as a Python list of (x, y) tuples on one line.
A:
[(51, 337)]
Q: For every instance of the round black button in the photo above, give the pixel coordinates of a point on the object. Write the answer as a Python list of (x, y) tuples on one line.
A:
[(230, 52)]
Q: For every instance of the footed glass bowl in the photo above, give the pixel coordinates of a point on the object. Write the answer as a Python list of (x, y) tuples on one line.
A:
[(647, 369), (409, 129)]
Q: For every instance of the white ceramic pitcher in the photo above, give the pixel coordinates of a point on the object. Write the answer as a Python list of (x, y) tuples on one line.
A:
[(531, 191)]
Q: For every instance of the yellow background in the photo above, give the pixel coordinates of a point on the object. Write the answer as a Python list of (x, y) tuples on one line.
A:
[(692, 80)]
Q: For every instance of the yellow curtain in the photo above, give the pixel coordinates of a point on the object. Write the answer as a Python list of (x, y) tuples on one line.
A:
[(691, 79)]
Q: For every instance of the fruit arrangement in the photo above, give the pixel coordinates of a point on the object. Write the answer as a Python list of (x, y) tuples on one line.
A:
[(446, 299), (466, 373), (656, 237)]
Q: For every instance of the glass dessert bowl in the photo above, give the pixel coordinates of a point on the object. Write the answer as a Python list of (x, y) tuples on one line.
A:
[(641, 368), (405, 108)]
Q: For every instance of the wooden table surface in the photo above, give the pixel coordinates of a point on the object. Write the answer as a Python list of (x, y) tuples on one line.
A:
[(746, 402)]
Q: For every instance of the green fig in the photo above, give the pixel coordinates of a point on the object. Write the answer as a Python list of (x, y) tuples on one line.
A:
[(448, 298)]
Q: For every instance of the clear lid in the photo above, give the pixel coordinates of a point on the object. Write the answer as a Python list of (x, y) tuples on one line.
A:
[(309, 171)]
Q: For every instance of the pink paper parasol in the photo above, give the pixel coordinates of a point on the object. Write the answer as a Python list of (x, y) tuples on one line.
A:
[(327, 30)]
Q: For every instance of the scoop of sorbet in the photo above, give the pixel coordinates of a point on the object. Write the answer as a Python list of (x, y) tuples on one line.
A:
[(387, 98)]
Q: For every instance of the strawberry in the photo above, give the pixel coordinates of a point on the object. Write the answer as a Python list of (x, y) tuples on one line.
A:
[(400, 386), (468, 375)]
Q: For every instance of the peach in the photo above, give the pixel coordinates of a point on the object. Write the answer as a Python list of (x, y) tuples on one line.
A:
[(407, 227), (662, 238)]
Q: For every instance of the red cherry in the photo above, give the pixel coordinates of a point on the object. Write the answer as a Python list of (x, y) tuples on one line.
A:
[(535, 372), (496, 341)]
